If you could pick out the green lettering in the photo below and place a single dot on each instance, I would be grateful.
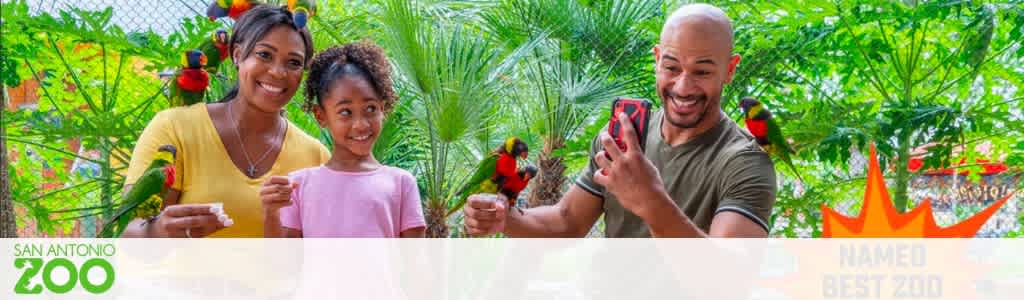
(32, 268)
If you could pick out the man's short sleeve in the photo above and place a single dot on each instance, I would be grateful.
(749, 185)
(586, 177)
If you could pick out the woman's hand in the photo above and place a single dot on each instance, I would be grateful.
(189, 221)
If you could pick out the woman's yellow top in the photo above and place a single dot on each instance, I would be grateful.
(205, 173)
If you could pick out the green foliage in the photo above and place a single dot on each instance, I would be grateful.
(98, 90)
(453, 78)
(839, 75)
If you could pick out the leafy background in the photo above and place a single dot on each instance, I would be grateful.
(935, 80)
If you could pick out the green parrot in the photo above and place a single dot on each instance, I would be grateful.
(492, 171)
(302, 10)
(216, 50)
(145, 199)
(763, 127)
(189, 84)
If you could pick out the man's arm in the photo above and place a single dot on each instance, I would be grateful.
(573, 216)
(732, 224)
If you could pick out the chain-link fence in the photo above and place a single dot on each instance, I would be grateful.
(163, 17)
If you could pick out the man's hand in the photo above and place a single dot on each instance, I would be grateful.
(483, 215)
(629, 175)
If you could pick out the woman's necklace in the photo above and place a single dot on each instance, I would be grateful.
(251, 170)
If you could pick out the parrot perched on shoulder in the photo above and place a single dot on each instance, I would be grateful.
(189, 85)
(766, 130)
(492, 172)
(513, 185)
(228, 8)
(216, 50)
(145, 199)
(302, 10)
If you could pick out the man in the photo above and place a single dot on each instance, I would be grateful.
(701, 176)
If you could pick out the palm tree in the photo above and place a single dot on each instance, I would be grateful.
(454, 78)
(590, 54)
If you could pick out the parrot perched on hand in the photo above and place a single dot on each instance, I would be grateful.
(216, 50)
(493, 172)
(228, 8)
(513, 185)
(767, 132)
(189, 85)
(302, 10)
(145, 199)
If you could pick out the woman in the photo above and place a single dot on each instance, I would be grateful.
(226, 150)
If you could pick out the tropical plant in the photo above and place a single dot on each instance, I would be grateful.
(454, 77)
(98, 90)
(590, 53)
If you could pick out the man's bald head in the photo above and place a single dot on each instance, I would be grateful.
(702, 19)
(693, 62)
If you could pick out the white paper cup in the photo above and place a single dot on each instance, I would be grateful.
(217, 208)
(490, 197)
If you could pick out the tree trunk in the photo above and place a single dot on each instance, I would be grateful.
(902, 174)
(437, 224)
(8, 227)
(547, 187)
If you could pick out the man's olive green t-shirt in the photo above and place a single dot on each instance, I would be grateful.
(722, 169)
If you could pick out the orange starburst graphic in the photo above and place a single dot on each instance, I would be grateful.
(879, 218)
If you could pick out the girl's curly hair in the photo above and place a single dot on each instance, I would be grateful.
(362, 59)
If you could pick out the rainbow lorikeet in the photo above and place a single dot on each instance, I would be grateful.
(228, 8)
(515, 184)
(216, 50)
(766, 130)
(145, 199)
(493, 172)
(302, 10)
(189, 85)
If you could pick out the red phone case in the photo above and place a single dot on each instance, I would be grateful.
(639, 111)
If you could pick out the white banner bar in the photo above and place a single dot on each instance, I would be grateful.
(512, 269)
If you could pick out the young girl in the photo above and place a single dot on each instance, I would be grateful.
(352, 195)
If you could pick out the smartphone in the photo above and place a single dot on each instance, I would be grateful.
(639, 112)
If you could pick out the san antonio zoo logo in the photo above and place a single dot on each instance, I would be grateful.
(62, 267)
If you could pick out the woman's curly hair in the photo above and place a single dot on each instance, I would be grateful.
(360, 59)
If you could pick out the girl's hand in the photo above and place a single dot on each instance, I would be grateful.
(276, 193)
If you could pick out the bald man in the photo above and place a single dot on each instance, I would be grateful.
(701, 176)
